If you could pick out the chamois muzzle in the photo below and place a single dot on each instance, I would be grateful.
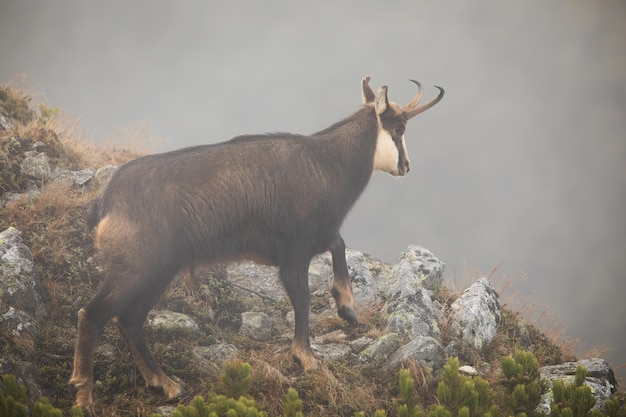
(412, 109)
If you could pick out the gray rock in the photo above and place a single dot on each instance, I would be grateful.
(213, 357)
(336, 336)
(358, 345)
(468, 370)
(103, 175)
(263, 280)
(171, 321)
(476, 314)
(166, 410)
(331, 351)
(423, 264)
(35, 165)
(379, 352)
(256, 279)
(365, 285)
(72, 178)
(16, 198)
(21, 325)
(425, 350)
(18, 286)
(410, 307)
(256, 325)
(600, 379)
(4, 123)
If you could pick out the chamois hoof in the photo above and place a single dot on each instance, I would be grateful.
(348, 315)
(307, 363)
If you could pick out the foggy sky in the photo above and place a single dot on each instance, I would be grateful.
(522, 164)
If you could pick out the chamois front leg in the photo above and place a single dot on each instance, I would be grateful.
(342, 287)
(295, 279)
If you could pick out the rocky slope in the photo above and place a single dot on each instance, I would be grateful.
(211, 315)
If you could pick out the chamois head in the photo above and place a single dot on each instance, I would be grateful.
(391, 154)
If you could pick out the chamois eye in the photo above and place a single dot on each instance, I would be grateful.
(398, 131)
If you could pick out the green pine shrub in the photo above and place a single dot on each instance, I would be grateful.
(408, 403)
(462, 396)
(236, 379)
(572, 400)
(218, 406)
(293, 404)
(14, 402)
(522, 384)
(612, 408)
(12, 398)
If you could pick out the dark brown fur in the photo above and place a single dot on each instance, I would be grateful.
(276, 198)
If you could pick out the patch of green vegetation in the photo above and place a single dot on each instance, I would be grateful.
(52, 226)
(14, 402)
(522, 383)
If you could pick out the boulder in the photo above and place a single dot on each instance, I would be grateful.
(72, 178)
(20, 302)
(214, 356)
(165, 320)
(425, 350)
(410, 307)
(256, 325)
(103, 175)
(378, 353)
(476, 314)
(35, 165)
(600, 378)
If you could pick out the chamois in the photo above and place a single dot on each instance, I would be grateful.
(278, 199)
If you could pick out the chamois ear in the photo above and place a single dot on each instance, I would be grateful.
(381, 100)
(368, 93)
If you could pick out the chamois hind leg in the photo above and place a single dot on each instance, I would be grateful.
(130, 322)
(91, 321)
(342, 287)
(295, 279)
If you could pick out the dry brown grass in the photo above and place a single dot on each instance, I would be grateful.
(52, 226)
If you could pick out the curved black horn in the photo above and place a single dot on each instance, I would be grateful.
(412, 109)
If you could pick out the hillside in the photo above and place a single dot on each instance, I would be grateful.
(47, 177)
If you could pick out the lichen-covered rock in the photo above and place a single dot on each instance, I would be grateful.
(379, 352)
(256, 325)
(72, 178)
(171, 321)
(35, 165)
(365, 284)
(358, 345)
(425, 350)
(410, 307)
(103, 175)
(331, 351)
(214, 356)
(600, 378)
(18, 286)
(423, 264)
(21, 325)
(476, 314)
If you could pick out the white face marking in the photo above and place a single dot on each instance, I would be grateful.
(386, 155)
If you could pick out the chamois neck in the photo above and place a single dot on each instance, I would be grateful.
(353, 142)
(359, 124)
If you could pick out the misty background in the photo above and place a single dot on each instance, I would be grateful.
(522, 165)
